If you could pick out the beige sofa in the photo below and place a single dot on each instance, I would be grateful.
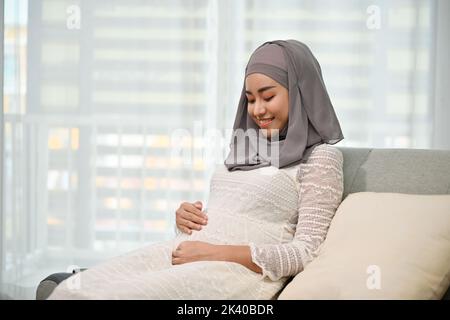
(409, 171)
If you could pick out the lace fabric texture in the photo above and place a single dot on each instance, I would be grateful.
(282, 214)
(321, 189)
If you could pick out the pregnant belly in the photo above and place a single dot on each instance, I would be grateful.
(232, 228)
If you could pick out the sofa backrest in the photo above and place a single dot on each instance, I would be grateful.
(413, 171)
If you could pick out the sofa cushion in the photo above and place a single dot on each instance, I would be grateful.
(381, 246)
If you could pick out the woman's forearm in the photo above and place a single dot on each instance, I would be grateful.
(239, 254)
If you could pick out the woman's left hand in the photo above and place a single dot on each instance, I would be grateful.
(190, 251)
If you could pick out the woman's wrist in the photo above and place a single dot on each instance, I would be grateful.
(236, 253)
(221, 253)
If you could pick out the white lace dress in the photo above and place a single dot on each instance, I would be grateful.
(282, 214)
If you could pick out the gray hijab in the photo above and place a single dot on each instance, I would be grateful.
(311, 122)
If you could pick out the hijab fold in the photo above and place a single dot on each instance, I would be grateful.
(312, 120)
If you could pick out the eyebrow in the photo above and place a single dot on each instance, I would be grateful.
(261, 89)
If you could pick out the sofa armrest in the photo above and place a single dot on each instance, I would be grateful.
(46, 286)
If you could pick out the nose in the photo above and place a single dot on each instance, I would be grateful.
(259, 110)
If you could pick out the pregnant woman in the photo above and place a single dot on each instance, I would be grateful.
(267, 214)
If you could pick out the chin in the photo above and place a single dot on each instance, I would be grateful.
(267, 133)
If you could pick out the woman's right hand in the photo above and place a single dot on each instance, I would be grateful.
(190, 217)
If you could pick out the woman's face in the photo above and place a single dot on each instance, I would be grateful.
(268, 102)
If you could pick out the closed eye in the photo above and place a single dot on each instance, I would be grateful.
(268, 99)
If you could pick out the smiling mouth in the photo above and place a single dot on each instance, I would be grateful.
(265, 122)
